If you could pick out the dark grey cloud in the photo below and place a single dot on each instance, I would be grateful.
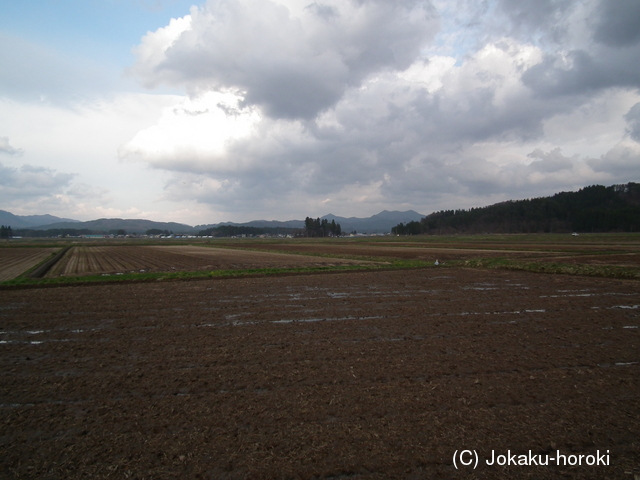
(552, 161)
(6, 148)
(30, 182)
(589, 46)
(633, 120)
(580, 72)
(293, 66)
(621, 164)
(342, 118)
(618, 23)
(528, 17)
(327, 12)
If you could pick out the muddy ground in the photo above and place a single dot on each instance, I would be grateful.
(626, 254)
(92, 260)
(365, 375)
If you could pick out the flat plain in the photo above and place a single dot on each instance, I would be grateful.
(380, 373)
(106, 259)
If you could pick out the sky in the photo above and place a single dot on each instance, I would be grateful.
(237, 110)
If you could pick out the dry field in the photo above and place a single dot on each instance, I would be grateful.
(569, 251)
(15, 261)
(360, 375)
(92, 260)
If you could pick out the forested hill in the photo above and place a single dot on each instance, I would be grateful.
(591, 209)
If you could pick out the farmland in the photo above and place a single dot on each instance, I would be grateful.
(15, 261)
(91, 260)
(368, 374)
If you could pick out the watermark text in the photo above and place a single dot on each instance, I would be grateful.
(470, 459)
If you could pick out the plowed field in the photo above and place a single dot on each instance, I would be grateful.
(91, 260)
(15, 261)
(367, 375)
(623, 255)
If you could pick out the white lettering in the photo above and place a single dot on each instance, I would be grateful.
(462, 459)
(531, 459)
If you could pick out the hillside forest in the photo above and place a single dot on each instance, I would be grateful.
(591, 209)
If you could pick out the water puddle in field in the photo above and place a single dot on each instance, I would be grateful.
(12, 306)
(337, 294)
(32, 342)
(624, 307)
(617, 364)
(14, 337)
(298, 297)
(494, 286)
(570, 295)
(511, 312)
(590, 294)
(16, 405)
(333, 319)
(236, 323)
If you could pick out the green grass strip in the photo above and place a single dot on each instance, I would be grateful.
(173, 276)
(607, 271)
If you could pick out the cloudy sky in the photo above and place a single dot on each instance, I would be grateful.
(280, 109)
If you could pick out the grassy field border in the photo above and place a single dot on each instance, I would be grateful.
(24, 282)
(556, 268)
(629, 242)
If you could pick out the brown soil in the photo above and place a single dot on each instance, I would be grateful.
(624, 260)
(92, 260)
(362, 375)
(16, 261)
(563, 253)
(395, 251)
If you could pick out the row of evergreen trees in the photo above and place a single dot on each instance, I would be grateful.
(238, 230)
(591, 209)
(321, 228)
(5, 232)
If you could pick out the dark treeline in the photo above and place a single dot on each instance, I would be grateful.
(157, 231)
(237, 230)
(591, 209)
(55, 232)
(66, 232)
(5, 231)
(321, 228)
(221, 231)
(77, 232)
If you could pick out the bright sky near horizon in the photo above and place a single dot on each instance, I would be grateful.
(240, 110)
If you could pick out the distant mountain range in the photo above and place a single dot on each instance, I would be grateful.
(379, 223)
(30, 221)
(590, 209)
